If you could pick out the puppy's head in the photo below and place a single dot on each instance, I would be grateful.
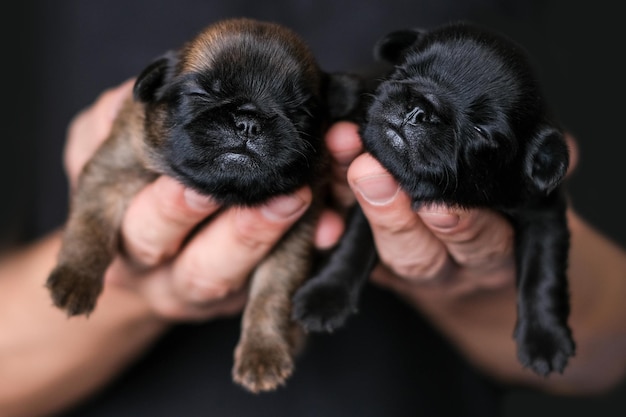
(460, 119)
(236, 113)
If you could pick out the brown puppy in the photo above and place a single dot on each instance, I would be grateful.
(238, 113)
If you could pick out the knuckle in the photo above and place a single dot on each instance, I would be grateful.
(474, 258)
(173, 211)
(396, 226)
(193, 269)
(203, 290)
(255, 235)
(148, 256)
(468, 258)
(499, 246)
(169, 309)
(198, 283)
(464, 232)
(253, 239)
(142, 252)
(418, 269)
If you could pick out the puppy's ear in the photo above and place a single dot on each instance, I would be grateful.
(342, 93)
(155, 76)
(393, 46)
(547, 159)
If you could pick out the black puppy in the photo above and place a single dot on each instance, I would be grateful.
(461, 120)
(237, 113)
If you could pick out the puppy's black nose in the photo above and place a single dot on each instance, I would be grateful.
(247, 126)
(414, 116)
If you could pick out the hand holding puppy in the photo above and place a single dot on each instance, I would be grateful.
(156, 265)
(438, 249)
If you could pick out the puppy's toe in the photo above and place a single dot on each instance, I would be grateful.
(262, 366)
(72, 291)
(545, 350)
(322, 306)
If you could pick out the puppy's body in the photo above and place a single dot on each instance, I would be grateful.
(460, 120)
(238, 113)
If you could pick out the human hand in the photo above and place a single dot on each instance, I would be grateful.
(438, 249)
(182, 266)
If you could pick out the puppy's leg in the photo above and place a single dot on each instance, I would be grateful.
(325, 302)
(269, 338)
(544, 339)
(90, 238)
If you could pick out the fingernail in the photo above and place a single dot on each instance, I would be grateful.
(197, 201)
(378, 190)
(283, 207)
(440, 220)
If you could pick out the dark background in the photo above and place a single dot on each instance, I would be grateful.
(47, 74)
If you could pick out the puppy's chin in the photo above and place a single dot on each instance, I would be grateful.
(241, 178)
(239, 154)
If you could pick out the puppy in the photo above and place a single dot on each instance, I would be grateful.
(238, 114)
(460, 120)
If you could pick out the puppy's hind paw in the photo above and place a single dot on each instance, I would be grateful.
(322, 306)
(261, 367)
(545, 351)
(72, 291)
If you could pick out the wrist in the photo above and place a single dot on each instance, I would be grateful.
(45, 346)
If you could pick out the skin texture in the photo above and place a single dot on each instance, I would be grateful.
(464, 282)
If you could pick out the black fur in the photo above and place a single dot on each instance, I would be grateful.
(461, 120)
(230, 134)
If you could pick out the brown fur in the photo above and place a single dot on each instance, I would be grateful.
(143, 144)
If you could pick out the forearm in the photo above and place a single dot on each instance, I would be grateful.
(481, 323)
(47, 360)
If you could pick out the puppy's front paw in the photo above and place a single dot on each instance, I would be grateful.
(72, 291)
(262, 365)
(322, 306)
(544, 350)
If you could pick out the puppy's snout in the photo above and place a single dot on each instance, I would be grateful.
(415, 116)
(247, 125)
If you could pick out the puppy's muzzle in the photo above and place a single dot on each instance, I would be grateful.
(247, 125)
(414, 117)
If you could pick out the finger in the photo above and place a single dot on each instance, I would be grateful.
(344, 144)
(329, 229)
(403, 242)
(159, 219)
(156, 290)
(167, 302)
(90, 128)
(479, 240)
(219, 259)
(480, 244)
(572, 146)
